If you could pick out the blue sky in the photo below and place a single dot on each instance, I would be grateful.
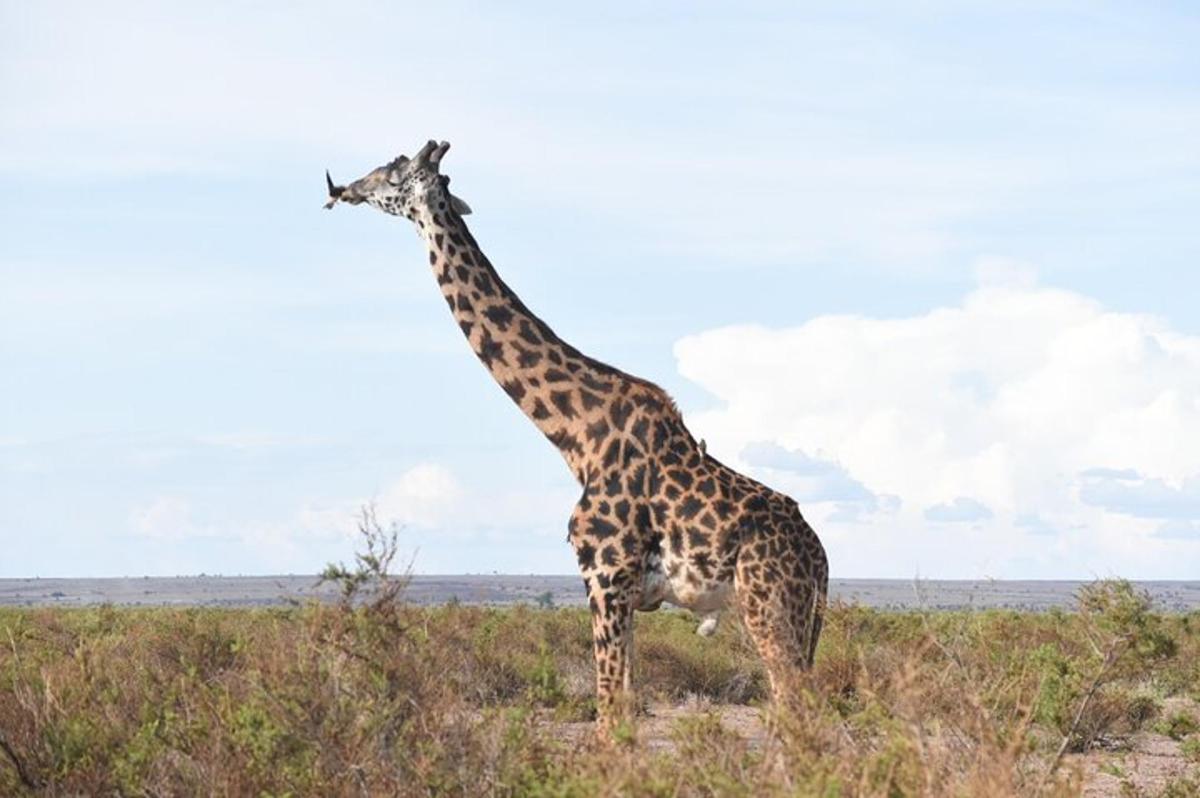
(929, 267)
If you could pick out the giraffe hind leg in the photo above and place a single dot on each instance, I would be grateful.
(781, 603)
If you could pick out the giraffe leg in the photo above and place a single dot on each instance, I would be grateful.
(781, 601)
(608, 575)
(612, 641)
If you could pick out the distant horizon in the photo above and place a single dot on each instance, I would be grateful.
(565, 575)
(547, 590)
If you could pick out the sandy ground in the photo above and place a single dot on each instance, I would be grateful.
(1141, 765)
(563, 591)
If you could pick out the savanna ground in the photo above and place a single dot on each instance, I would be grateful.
(374, 696)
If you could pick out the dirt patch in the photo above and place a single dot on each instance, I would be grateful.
(1145, 764)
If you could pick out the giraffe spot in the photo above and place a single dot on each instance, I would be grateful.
(639, 430)
(555, 357)
(597, 431)
(602, 529)
(612, 485)
(636, 481)
(682, 477)
(696, 538)
(689, 508)
(590, 400)
(490, 350)
(465, 305)
(631, 453)
(707, 521)
(642, 519)
(515, 389)
(562, 401)
(608, 556)
(555, 375)
(540, 411)
(565, 441)
(676, 538)
(629, 544)
(707, 486)
(672, 492)
(661, 433)
(457, 239)
(463, 272)
(466, 327)
(613, 453)
(499, 315)
(655, 479)
(484, 284)
(620, 414)
(526, 358)
(591, 382)
(756, 503)
(622, 511)
(438, 240)
(586, 554)
(432, 257)
(645, 402)
(525, 330)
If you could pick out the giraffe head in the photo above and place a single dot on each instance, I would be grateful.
(404, 187)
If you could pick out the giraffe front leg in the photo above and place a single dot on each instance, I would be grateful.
(609, 576)
(612, 647)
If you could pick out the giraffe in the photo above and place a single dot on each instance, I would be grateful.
(659, 518)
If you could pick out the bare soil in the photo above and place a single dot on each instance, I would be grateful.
(1141, 765)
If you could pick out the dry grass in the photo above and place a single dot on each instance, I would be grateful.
(374, 697)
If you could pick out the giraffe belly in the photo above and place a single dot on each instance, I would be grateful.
(673, 579)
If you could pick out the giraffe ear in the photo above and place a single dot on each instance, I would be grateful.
(460, 207)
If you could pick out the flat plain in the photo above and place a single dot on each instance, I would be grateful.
(500, 590)
(482, 685)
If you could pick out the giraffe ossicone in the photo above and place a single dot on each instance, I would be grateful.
(659, 518)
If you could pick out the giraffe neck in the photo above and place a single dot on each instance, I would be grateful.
(562, 391)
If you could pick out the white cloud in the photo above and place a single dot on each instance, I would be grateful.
(425, 496)
(166, 518)
(1022, 402)
(813, 479)
(1125, 491)
(149, 94)
(1179, 530)
(962, 509)
(428, 501)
